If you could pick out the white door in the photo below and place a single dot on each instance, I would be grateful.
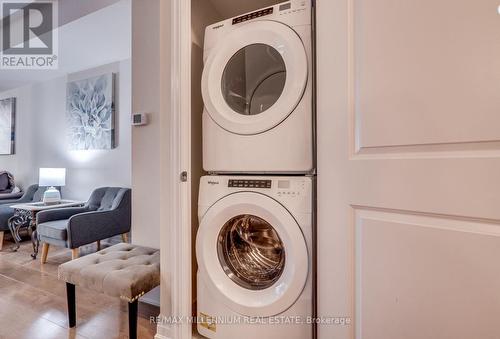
(409, 168)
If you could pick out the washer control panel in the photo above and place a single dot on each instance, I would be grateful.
(280, 186)
(292, 8)
(293, 192)
(249, 183)
(288, 189)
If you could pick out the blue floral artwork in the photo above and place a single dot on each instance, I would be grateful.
(7, 125)
(90, 113)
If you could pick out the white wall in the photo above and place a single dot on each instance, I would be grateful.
(94, 44)
(145, 139)
(150, 143)
(70, 10)
(97, 39)
(41, 139)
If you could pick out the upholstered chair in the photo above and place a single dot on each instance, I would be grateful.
(32, 194)
(106, 214)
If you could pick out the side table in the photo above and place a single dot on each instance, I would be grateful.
(25, 218)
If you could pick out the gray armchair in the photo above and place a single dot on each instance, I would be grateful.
(32, 194)
(106, 214)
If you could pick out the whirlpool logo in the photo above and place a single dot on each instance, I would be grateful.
(211, 182)
(29, 35)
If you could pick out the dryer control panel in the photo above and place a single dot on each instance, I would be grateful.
(293, 13)
(253, 15)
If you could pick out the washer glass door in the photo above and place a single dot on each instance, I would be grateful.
(251, 252)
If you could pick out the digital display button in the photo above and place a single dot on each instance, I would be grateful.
(246, 183)
(253, 15)
(285, 184)
(286, 6)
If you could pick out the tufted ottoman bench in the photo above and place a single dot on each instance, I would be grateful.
(123, 270)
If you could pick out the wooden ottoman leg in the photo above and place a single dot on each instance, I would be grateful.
(45, 252)
(132, 319)
(75, 253)
(70, 293)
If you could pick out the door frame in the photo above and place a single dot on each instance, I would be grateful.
(177, 243)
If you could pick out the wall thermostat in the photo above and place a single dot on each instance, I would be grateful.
(139, 119)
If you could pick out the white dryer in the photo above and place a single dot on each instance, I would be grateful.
(253, 249)
(257, 92)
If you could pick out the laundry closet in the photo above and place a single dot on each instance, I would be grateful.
(407, 173)
(254, 161)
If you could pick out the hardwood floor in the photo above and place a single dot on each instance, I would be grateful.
(33, 301)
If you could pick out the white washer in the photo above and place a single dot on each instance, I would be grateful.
(253, 251)
(257, 92)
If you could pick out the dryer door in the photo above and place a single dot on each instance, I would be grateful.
(252, 254)
(255, 77)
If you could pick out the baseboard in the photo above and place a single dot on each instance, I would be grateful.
(163, 332)
(159, 336)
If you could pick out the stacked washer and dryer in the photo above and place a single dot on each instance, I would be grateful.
(254, 245)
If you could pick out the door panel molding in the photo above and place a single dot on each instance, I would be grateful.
(423, 268)
(483, 149)
(380, 125)
(429, 220)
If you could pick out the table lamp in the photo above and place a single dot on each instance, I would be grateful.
(52, 178)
